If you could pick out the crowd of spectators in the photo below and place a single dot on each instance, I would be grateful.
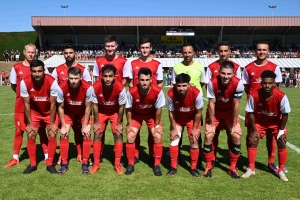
(12, 56)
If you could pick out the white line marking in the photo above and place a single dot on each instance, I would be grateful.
(7, 114)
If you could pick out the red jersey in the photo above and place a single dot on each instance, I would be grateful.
(39, 94)
(110, 100)
(119, 63)
(268, 112)
(252, 72)
(214, 70)
(153, 65)
(184, 108)
(18, 73)
(145, 104)
(60, 73)
(74, 99)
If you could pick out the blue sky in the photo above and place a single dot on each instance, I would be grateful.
(16, 15)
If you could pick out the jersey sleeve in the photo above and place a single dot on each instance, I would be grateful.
(159, 73)
(89, 94)
(239, 90)
(53, 89)
(238, 73)
(173, 76)
(23, 89)
(208, 75)
(13, 76)
(96, 69)
(250, 105)
(210, 91)
(160, 101)
(95, 99)
(170, 104)
(285, 105)
(122, 97)
(278, 78)
(60, 95)
(199, 102)
(126, 69)
(86, 75)
(129, 100)
(245, 77)
(54, 74)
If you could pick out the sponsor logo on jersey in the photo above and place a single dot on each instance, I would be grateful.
(252, 73)
(108, 103)
(75, 103)
(101, 95)
(256, 80)
(184, 109)
(137, 67)
(260, 104)
(32, 89)
(270, 114)
(144, 106)
(137, 100)
(62, 72)
(176, 102)
(68, 94)
(216, 71)
(20, 72)
(36, 98)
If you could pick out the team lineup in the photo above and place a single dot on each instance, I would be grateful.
(48, 105)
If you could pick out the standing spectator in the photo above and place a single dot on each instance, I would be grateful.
(6, 56)
(292, 79)
(12, 55)
(17, 55)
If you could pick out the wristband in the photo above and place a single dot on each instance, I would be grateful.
(280, 133)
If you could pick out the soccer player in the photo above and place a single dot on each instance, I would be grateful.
(224, 93)
(252, 82)
(74, 98)
(144, 103)
(108, 106)
(185, 104)
(60, 73)
(213, 70)
(268, 110)
(110, 57)
(145, 47)
(18, 72)
(39, 92)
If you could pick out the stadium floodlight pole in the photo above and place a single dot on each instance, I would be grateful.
(64, 7)
(272, 7)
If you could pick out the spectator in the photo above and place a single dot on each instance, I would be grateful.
(6, 56)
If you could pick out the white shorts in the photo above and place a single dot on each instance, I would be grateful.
(17, 56)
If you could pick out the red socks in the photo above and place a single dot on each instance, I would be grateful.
(64, 150)
(208, 158)
(118, 153)
(130, 150)
(97, 146)
(271, 146)
(194, 153)
(174, 156)
(87, 144)
(282, 155)
(51, 150)
(157, 149)
(233, 160)
(18, 139)
(252, 157)
(31, 149)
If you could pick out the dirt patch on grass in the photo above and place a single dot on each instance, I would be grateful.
(6, 67)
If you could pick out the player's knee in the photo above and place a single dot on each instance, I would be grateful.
(236, 149)
(98, 137)
(118, 136)
(281, 144)
(236, 138)
(209, 138)
(207, 148)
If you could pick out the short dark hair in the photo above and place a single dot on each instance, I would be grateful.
(69, 46)
(110, 38)
(145, 71)
(268, 74)
(224, 43)
(188, 45)
(227, 65)
(74, 71)
(182, 78)
(109, 67)
(37, 63)
(145, 40)
(262, 42)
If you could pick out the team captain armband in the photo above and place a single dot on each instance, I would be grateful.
(238, 95)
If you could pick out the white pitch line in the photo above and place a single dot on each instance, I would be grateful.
(7, 114)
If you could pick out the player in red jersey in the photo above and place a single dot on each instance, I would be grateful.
(185, 105)
(268, 110)
(252, 81)
(18, 72)
(213, 70)
(144, 103)
(224, 93)
(39, 92)
(109, 106)
(74, 98)
(60, 73)
(145, 47)
(111, 58)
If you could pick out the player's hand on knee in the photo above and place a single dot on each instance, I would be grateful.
(196, 134)
(53, 128)
(119, 128)
(63, 132)
(30, 129)
(158, 129)
(86, 131)
(210, 129)
(129, 129)
(236, 129)
(254, 137)
(174, 134)
(281, 141)
(97, 128)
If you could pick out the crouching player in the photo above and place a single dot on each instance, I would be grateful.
(74, 98)
(224, 93)
(185, 104)
(108, 106)
(265, 108)
(144, 103)
(39, 92)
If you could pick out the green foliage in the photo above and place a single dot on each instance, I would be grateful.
(142, 184)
